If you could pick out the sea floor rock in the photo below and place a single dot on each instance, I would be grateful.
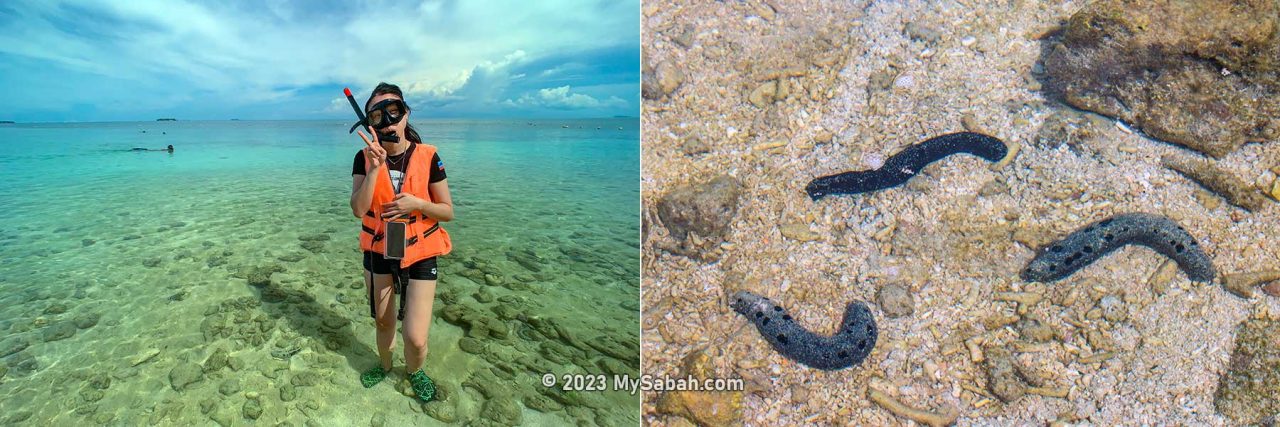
(704, 210)
(185, 374)
(704, 408)
(59, 331)
(1249, 391)
(895, 300)
(1201, 74)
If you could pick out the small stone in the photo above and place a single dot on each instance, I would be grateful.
(185, 374)
(252, 409)
(471, 345)
(895, 300)
(1113, 309)
(91, 394)
(823, 137)
(483, 295)
(229, 386)
(994, 187)
(60, 331)
(305, 378)
(706, 209)
(101, 381)
(684, 38)
(252, 395)
(216, 361)
(763, 95)
(288, 393)
(13, 345)
(668, 77)
(1002, 378)
(1034, 331)
(86, 320)
(207, 405)
(56, 308)
(968, 41)
(442, 411)
(694, 145)
(799, 232)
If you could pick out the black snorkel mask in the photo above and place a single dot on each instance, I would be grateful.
(381, 116)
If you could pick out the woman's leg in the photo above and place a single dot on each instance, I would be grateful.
(419, 297)
(384, 303)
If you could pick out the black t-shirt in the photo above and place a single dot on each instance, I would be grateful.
(397, 171)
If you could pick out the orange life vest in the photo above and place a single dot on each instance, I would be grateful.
(424, 238)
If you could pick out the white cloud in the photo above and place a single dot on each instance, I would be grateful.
(438, 50)
(562, 98)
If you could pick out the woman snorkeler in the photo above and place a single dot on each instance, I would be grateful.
(397, 178)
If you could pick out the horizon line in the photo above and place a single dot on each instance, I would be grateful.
(6, 122)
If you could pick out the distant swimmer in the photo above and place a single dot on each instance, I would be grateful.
(169, 149)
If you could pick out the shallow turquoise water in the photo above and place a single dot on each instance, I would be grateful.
(112, 256)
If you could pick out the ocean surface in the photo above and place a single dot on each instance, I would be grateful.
(222, 282)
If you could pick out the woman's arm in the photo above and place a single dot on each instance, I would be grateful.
(440, 207)
(361, 195)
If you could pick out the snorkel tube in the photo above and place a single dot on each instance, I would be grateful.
(364, 121)
(354, 106)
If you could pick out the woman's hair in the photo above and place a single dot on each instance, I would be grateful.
(385, 88)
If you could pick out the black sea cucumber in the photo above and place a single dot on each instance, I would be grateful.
(900, 167)
(845, 348)
(1059, 259)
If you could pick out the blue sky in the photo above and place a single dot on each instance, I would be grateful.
(276, 59)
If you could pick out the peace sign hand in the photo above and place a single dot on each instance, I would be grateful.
(374, 155)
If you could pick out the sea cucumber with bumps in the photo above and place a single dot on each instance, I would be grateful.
(1059, 259)
(900, 167)
(845, 348)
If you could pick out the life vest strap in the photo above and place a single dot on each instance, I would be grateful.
(431, 230)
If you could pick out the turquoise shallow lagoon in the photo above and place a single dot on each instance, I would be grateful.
(222, 283)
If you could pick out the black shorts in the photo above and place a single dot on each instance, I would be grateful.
(421, 270)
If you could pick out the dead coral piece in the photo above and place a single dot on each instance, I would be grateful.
(895, 300)
(913, 414)
(706, 408)
(1097, 358)
(1202, 74)
(1068, 127)
(1003, 378)
(660, 80)
(798, 232)
(1242, 284)
(1217, 180)
(703, 210)
(1249, 391)
(1058, 392)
